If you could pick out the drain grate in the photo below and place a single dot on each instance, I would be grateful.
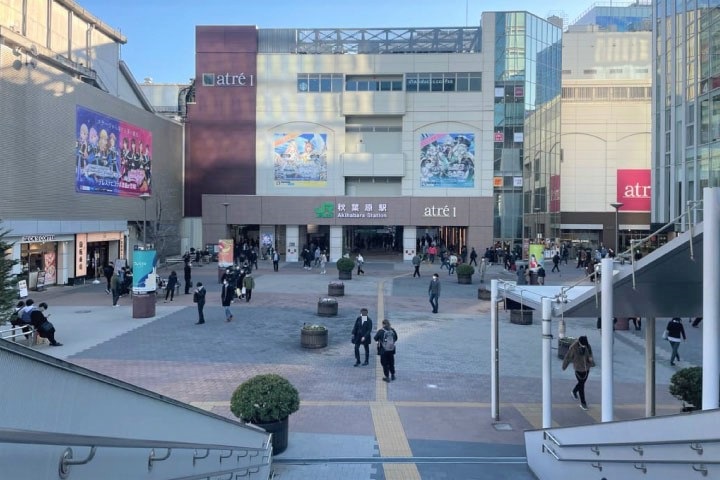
(83, 311)
(502, 426)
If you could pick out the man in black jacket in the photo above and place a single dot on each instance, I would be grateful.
(188, 277)
(362, 335)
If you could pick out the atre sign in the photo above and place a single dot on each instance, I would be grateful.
(228, 79)
(634, 189)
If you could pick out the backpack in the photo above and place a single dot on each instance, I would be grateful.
(25, 317)
(388, 342)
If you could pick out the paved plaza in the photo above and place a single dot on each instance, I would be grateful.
(351, 424)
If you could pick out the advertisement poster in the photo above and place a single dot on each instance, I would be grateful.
(633, 190)
(554, 193)
(225, 252)
(535, 251)
(447, 160)
(112, 157)
(50, 260)
(23, 288)
(144, 271)
(300, 159)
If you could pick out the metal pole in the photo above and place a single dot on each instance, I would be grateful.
(546, 363)
(606, 321)
(145, 223)
(617, 206)
(494, 352)
(650, 367)
(226, 216)
(711, 298)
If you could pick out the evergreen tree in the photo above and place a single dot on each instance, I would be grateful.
(8, 285)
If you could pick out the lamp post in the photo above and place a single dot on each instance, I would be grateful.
(617, 206)
(145, 197)
(226, 205)
(537, 213)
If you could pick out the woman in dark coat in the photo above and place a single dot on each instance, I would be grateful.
(171, 286)
(228, 292)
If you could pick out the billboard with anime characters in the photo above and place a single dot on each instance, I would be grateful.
(447, 160)
(111, 156)
(300, 159)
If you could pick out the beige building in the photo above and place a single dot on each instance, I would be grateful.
(606, 135)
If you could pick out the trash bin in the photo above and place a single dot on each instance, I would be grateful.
(533, 278)
(143, 305)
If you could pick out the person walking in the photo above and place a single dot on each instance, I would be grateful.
(556, 262)
(360, 261)
(188, 277)
(434, 292)
(199, 298)
(171, 286)
(637, 322)
(473, 256)
(673, 333)
(115, 288)
(541, 275)
(249, 284)
(276, 260)
(323, 263)
(386, 338)
(453, 261)
(416, 261)
(581, 356)
(361, 335)
(226, 296)
(108, 271)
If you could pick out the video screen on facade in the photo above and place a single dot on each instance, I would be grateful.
(300, 159)
(447, 160)
(111, 156)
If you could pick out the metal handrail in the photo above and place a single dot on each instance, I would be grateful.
(548, 436)
(598, 463)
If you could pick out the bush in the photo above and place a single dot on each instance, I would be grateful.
(314, 327)
(686, 385)
(465, 269)
(345, 264)
(264, 399)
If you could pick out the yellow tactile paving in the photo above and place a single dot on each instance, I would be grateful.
(532, 413)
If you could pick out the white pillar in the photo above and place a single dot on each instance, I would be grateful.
(292, 243)
(494, 352)
(711, 298)
(63, 262)
(336, 242)
(606, 322)
(409, 242)
(650, 367)
(546, 363)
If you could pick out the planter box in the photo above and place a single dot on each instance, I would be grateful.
(344, 275)
(313, 338)
(483, 294)
(327, 308)
(336, 289)
(465, 279)
(280, 432)
(521, 317)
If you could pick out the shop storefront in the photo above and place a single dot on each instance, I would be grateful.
(39, 259)
(95, 250)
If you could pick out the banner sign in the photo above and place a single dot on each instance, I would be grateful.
(111, 156)
(225, 252)
(634, 189)
(144, 271)
(300, 159)
(554, 193)
(447, 160)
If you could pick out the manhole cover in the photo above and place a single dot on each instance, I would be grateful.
(502, 426)
(83, 311)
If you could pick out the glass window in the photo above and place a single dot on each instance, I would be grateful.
(372, 86)
(463, 82)
(436, 83)
(325, 83)
(302, 83)
(449, 82)
(411, 82)
(475, 82)
(351, 86)
(337, 83)
(314, 83)
(423, 82)
(397, 86)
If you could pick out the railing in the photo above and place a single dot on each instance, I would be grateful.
(67, 459)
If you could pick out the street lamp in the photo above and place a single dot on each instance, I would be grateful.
(145, 197)
(537, 226)
(225, 204)
(617, 206)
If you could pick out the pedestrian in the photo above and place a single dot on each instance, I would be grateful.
(199, 298)
(473, 256)
(42, 325)
(521, 276)
(249, 284)
(188, 277)
(556, 262)
(171, 285)
(360, 261)
(323, 263)
(452, 263)
(541, 275)
(116, 288)
(17, 321)
(226, 297)
(361, 335)
(108, 271)
(416, 261)
(276, 260)
(386, 338)
(672, 334)
(434, 292)
(580, 355)
(637, 322)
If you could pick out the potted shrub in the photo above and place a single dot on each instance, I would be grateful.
(313, 336)
(267, 401)
(686, 385)
(345, 268)
(336, 289)
(327, 307)
(464, 273)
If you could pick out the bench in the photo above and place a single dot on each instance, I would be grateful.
(13, 332)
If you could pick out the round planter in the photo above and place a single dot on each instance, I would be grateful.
(483, 294)
(564, 345)
(521, 317)
(313, 338)
(336, 289)
(344, 275)
(327, 307)
(280, 432)
(465, 279)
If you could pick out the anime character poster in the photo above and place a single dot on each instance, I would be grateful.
(447, 160)
(111, 157)
(300, 159)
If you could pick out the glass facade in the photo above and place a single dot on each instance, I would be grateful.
(686, 101)
(528, 57)
(630, 18)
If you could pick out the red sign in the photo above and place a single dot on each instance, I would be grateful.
(499, 136)
(634, 189)
(554, 193)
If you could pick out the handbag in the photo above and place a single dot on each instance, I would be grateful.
(665, 335)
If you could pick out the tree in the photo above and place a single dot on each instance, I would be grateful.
(8, 290)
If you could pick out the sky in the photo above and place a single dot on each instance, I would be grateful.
(161, 33)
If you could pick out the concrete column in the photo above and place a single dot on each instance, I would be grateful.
(546, 363)
(409, 242)
(292, 243)
(494, 352)
(650, 367)
(336, 242)
(16, 252)
(711, 298)
(63, 262)
(606, 321)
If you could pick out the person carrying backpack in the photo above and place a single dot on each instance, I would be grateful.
(386, 338)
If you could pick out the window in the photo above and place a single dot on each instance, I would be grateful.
(319, 82)
(442, 82)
